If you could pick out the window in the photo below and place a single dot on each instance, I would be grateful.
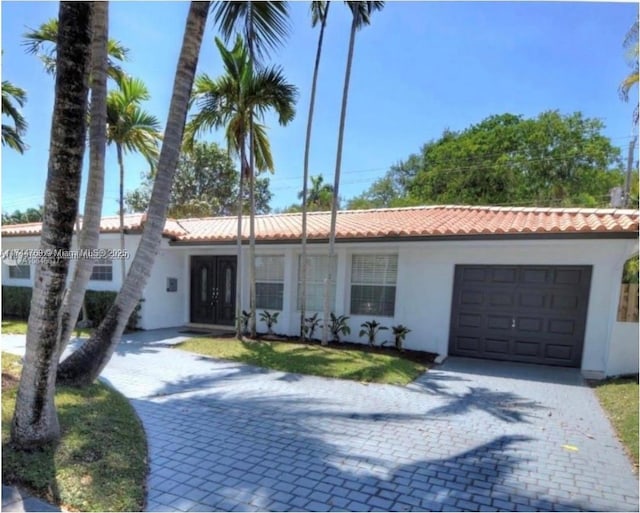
(269, 282)
(317, 270)
(22, 272)
(102, 270)
(373, 284)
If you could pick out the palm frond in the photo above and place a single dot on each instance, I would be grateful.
(12, 139)
(269, 89)
(319, 9)
(362, 11)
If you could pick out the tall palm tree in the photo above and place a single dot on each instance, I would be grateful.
(42, 43)
(319, 13)
(631, 46)
(131, 129)
(361, 13)
(83, 366)
(89, 232)
(319, 195)
(35, 422)
(264, 26)
(238, 101)
(12, 135)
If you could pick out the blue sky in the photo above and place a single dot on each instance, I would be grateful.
(419, 68)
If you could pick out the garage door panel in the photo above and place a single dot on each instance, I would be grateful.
(533, 314)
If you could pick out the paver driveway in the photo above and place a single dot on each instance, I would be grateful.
(468, 435)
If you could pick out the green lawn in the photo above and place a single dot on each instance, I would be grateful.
(19, 327)
(619, 398)
(310, 359)
(100, 463)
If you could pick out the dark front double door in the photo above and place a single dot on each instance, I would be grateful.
(213, 289)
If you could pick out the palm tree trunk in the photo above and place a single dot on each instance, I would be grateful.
(84, 365)
(252, 193)
(123, 271)
(307, 145)
(35, 421)
(90, 232)
(239, 270)
(336, 182)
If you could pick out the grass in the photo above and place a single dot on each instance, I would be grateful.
(619, 398)
(100, 463)
(19, 327)
(310, 359)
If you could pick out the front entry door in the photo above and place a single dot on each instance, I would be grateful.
(213, 289)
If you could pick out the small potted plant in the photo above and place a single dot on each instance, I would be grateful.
(399, 333)
(270, 319)
(371, 329)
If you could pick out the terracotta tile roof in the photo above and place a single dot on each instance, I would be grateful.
(431, 221)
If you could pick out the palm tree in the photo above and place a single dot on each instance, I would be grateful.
(35, 422)
(238, 101)
(264, 26)
(83, 366)
(12, 135)
(361, 13)
(131, 129)
(89, 233)
(631, 46)
(319, 13)
(42, 43)
(319, 196)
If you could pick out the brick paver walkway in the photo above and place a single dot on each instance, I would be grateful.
(468, 435)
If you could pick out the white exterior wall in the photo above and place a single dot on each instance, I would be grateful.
(424, 287)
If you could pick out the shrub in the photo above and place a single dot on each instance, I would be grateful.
(270, 319)
(16, 302)
(339, 326)
(371, 329)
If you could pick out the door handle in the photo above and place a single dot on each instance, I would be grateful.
(513, 322)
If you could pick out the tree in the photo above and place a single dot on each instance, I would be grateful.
(205, 185)
(319, 196)
(30, 215)
(12, 135)
(35, 422)
(361, 13)
(264, 26)
(42, 43)
(238, 101)
(83, 366)
(631, 47)
(89, 232)
(319, 13)
(131, 129)
(549, 160)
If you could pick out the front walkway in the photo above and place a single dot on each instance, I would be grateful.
(468, 435)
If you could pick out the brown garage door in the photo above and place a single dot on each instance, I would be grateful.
(532, 314)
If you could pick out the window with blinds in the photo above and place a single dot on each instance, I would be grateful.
(269, 282)
(21, 272)
(317, 271)
(373, 284)
(102, 270)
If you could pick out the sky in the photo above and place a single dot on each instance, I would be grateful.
(419, 68)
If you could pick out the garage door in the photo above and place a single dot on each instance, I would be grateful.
(532, 314)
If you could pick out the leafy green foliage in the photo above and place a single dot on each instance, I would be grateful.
(12, 135)
(245, 317)
(16, 302)
(338, 325)
(205, 185)
(270, 319)
(319, 197)
(371, 330)
(100, 463)
(30, 215)
(552, 160)
(310, 325)
(310, 359)
(630, 270)
(399, 333)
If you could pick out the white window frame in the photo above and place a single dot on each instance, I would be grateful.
(380, 278)
(315, 284)
(99, 271)
(16, 268)
(273, 276)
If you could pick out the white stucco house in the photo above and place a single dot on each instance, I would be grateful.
(520, 284)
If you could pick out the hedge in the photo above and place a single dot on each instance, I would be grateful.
(16, 302)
